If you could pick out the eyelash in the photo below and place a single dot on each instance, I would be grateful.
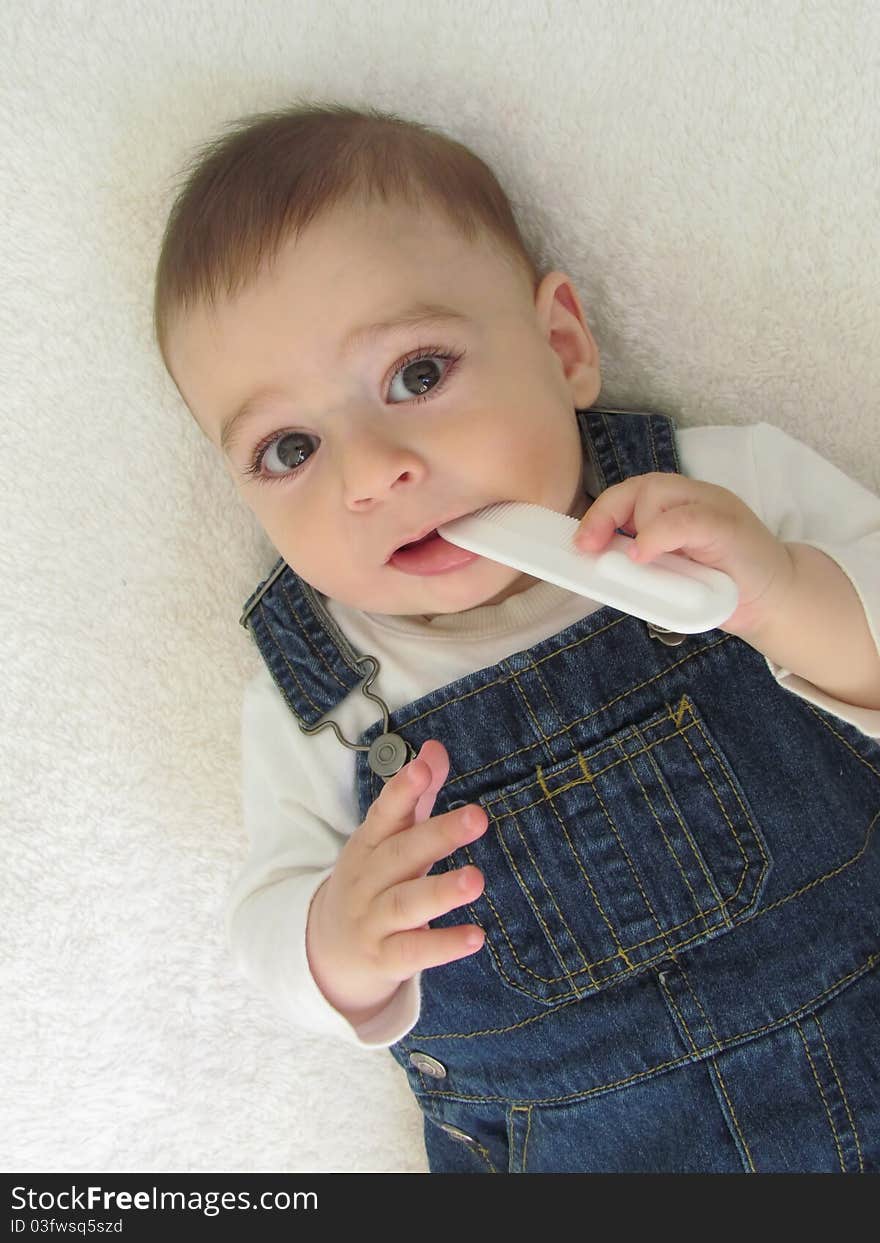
(423, 351)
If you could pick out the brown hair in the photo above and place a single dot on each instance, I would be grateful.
(271, 173)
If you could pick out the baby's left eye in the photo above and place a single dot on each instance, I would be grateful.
(418, 376)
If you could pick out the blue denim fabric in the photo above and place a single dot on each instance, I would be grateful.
(682, 899)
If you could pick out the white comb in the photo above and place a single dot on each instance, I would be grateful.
(672, 591)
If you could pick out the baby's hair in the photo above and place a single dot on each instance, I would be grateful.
(249, 190)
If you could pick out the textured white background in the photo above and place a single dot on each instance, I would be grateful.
(705, 170)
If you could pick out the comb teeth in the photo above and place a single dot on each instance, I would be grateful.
(527, 519)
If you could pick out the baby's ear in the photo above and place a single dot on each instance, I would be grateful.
(569, 335)
(436, 757)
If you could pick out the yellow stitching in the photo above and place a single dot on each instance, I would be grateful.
(311, 646)
(631, 865)
(585, 769)
(842, 1093)
(819, 880)
(676, 1061)
(527, 1110)
(587, 716)
(621, 951)
(542, 783)
(507, 677)
(697, 853)
(484, 1153)
(535, 722)
(682, 708)
(546, 689)
(730, 786)
(664, 790)
(577, 781)
(746, 816)
(290, 669)
(713, 1060)
(473, 1146)
(822, 1094)
(742, 1138)
(806, 704)
(690, 989)
(690, 655)
(610, 927)
(568, 974)
(667, 993)
(614, 743)
(488, 943)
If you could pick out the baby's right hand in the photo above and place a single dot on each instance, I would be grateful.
(368, 922)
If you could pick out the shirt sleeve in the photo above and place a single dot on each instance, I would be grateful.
(807, 500)
(292, 852)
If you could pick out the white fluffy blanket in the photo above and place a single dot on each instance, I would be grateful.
(705, 170)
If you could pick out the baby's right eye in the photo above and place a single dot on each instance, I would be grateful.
(292, 451)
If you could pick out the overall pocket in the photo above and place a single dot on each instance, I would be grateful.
(601, 864)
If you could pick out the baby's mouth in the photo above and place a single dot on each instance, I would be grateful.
(417, 543)
(431, 554)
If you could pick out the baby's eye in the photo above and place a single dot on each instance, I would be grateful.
(418, 375)
(290, 449)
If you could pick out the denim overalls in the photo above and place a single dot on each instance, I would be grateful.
(682, 891)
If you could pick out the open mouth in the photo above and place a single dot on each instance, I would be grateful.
(431, 554)
(417, 543)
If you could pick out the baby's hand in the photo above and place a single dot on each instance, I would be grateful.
(709, 524)
(368, 923)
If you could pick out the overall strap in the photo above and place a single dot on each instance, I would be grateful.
(312, 662)
(628, 443)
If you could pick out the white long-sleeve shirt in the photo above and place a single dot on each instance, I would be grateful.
(299, 792)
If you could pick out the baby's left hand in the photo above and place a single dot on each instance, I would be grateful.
(709, 524)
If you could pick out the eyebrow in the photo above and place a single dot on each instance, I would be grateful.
(409, 317)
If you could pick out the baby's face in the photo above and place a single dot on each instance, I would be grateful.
(352, 449)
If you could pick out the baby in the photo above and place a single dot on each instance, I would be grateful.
(609, 894)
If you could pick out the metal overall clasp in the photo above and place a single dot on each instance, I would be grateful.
(670, 637)
(388, 753)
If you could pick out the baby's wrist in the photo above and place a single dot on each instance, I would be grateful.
(355, 1011)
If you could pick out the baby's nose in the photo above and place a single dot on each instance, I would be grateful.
(375, 464)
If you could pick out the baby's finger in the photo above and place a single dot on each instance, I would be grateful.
(696, 530)
(612, 510)
(413, 903)
(435, 755)
(405, 953)
(627, 506)
(401, 857)
(395, 807)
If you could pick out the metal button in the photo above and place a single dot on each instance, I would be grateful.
(456, 1133)
(670, 637)
(387, 755)
(428, 1065)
